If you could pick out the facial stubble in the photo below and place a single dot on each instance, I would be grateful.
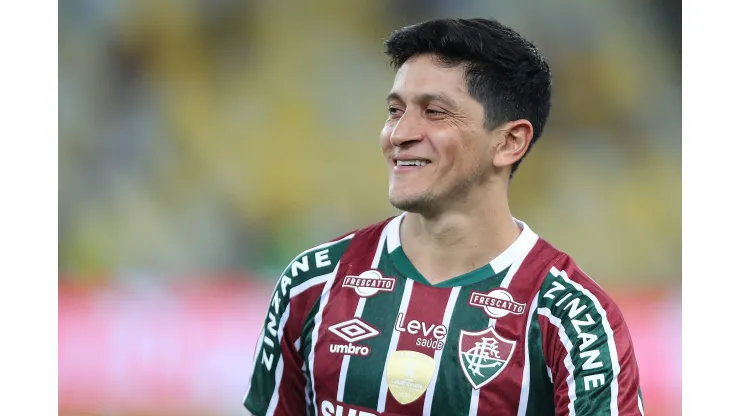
(432, 201)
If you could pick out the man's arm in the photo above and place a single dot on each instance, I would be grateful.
(587, 346)
(278, 384)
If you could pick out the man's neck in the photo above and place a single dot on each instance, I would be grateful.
(456, 242)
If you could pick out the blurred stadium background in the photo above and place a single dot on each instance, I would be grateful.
(204, 143)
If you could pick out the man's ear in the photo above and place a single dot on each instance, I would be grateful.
(515, 137)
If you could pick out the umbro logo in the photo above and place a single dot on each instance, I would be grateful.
(352, 331)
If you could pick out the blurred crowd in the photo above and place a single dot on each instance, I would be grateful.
(207, 138)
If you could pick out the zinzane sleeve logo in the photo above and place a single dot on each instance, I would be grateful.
(276, 360)
(269, 364)
(585, 340)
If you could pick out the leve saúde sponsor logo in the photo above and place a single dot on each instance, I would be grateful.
(431, 335)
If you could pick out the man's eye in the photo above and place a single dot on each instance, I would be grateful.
(394, 111)
(431, 112)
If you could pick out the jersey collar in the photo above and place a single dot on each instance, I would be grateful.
(518, 249)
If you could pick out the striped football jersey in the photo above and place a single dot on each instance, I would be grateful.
(353, 329)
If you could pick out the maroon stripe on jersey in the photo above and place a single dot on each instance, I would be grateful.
(291, 394)
(328, 365)
(501, 396)
(341, 307)
(300, 306)
(424, 314)
(628, 379)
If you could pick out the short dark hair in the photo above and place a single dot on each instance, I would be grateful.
(503, 71)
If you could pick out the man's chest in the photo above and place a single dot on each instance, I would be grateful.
(383, 343)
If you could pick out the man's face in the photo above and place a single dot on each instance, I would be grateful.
(434, 141)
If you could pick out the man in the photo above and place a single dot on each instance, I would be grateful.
(453, 307)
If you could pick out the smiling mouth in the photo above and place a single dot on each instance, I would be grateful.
(418, 162)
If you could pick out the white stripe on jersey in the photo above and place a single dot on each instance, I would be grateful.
(521, 247)
(315, 335)
(639, 405)
(358, 313)
(393, 344)
(306, 388)
(438, 354)
(609, 337)
(279, 369)
(379, 249)
(297, 290)
(515, 254)
(394, 232)
(345, 359)
(567, 361)
(524, 394)
(474, 397)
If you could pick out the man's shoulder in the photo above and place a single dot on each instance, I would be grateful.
(567, 287)
(323, 258)
(561, 263)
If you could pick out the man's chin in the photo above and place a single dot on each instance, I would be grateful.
(412, 203)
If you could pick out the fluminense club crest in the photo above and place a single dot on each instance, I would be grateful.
(483, 355)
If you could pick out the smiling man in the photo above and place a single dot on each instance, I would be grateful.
(453, 307)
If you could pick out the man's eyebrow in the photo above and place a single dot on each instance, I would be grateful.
(429, 97)
(425, 98)
(393, 97)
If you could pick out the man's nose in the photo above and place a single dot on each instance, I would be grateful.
(408, 129)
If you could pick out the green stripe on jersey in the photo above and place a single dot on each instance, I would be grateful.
(541, 396)
(584, 327)
(452, 391)
(380, 311)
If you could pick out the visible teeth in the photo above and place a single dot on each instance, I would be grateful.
(412, 162)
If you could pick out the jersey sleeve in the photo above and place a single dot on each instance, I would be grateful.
(276, 382)
(587, 346)
(278, 385)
